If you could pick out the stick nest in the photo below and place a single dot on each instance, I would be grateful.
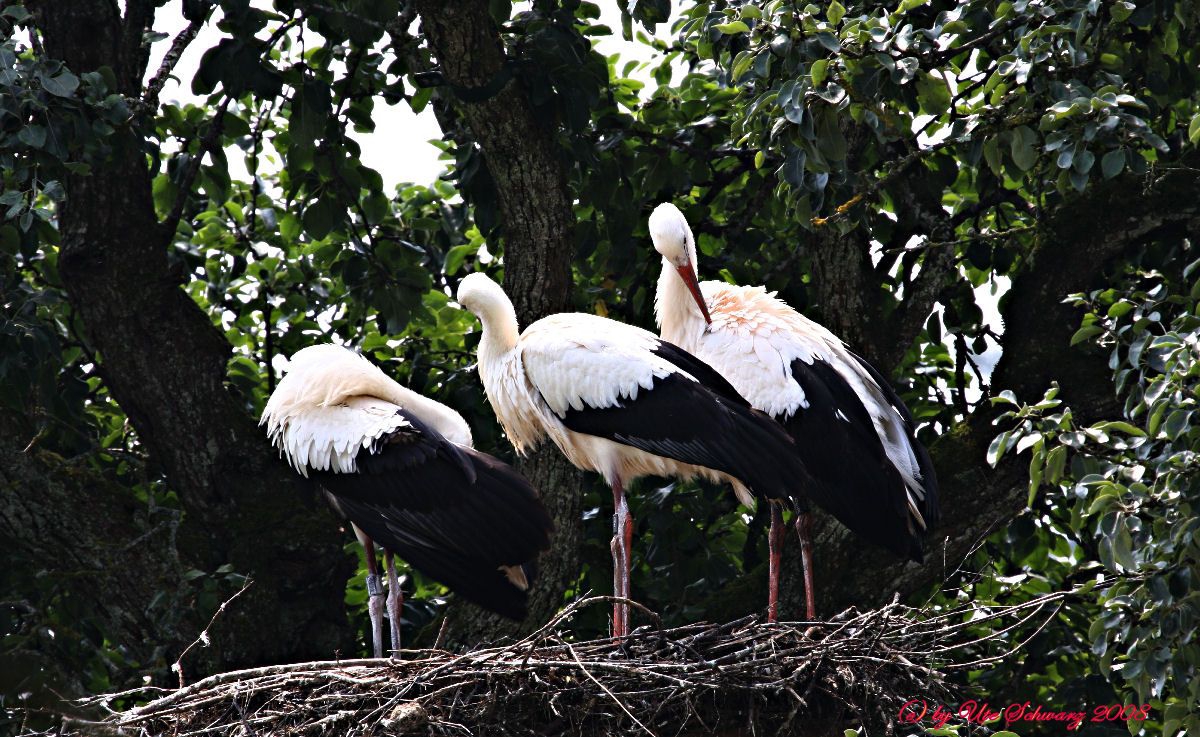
(739, 677)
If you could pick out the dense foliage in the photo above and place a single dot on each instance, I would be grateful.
(888, 168)
(1113, 504)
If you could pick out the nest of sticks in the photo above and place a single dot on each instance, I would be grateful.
(739, 677)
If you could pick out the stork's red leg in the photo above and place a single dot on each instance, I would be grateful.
(621, 542)
(804, 531)
(374, 592)
(775, 538)
(395, 600)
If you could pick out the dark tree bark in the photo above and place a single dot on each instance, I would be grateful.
(538, 225)
(89, 544)
(164, 362)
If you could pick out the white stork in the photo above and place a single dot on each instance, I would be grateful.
(619, 401)
(400, 466)
(853, 434)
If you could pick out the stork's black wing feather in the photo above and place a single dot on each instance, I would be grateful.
(453, 513)
(929, 508)
(853, 478)
(704, 423)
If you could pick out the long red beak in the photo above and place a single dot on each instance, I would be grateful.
(689, 278)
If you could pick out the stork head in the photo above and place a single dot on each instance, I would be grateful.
(673, 240)
(487, 300)
(482, 296)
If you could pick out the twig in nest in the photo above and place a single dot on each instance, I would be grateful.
(203, 638)
(441, 635)
(604, 688)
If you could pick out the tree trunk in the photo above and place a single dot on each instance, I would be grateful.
(164, 362)
(538, 226)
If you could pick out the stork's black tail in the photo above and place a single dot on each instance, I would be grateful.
(459, 517)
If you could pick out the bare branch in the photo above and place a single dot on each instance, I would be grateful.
(203, 638)
(149, 101)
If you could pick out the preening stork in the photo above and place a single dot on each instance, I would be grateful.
(618, 400)
(851, 431)
(400, 466)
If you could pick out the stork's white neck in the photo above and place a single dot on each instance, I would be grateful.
(678, 316)
(503, 377)
(500, 332)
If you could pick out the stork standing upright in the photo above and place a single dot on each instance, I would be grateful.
(400, 466)
(619, 401)
(853, 434)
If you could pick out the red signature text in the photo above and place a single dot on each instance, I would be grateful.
(918, 711)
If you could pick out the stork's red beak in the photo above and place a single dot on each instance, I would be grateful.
(689, 278)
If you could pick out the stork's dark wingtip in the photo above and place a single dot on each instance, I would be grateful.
(467, 528)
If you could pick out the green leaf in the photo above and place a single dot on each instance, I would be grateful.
(1120, 309)
(455, 257)
(62, 84)
(1194, 130)
(1122, 426)
(375, 207)
(500, 10)
(741, 64)
(310, 107)
(1112, 163)
(17, 12)
(421, 98)
(736, 26)
(1056, 463)
(995, 451)
(818, 71)
(835, 12)
(933, 94)
(33, 136)
(1123, 549)
(318, 218)
(1036, 470)
(289, 227)
(1023, 153)
(165, 192)
(1085, 332)
(991, 153)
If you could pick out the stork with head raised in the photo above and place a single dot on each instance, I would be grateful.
(620, 401)
(851, 431)
(401, 468)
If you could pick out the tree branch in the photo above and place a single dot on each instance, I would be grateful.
(135, 51)
(938, 268)
(149, 101)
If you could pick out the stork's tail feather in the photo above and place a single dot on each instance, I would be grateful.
(468, 543)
